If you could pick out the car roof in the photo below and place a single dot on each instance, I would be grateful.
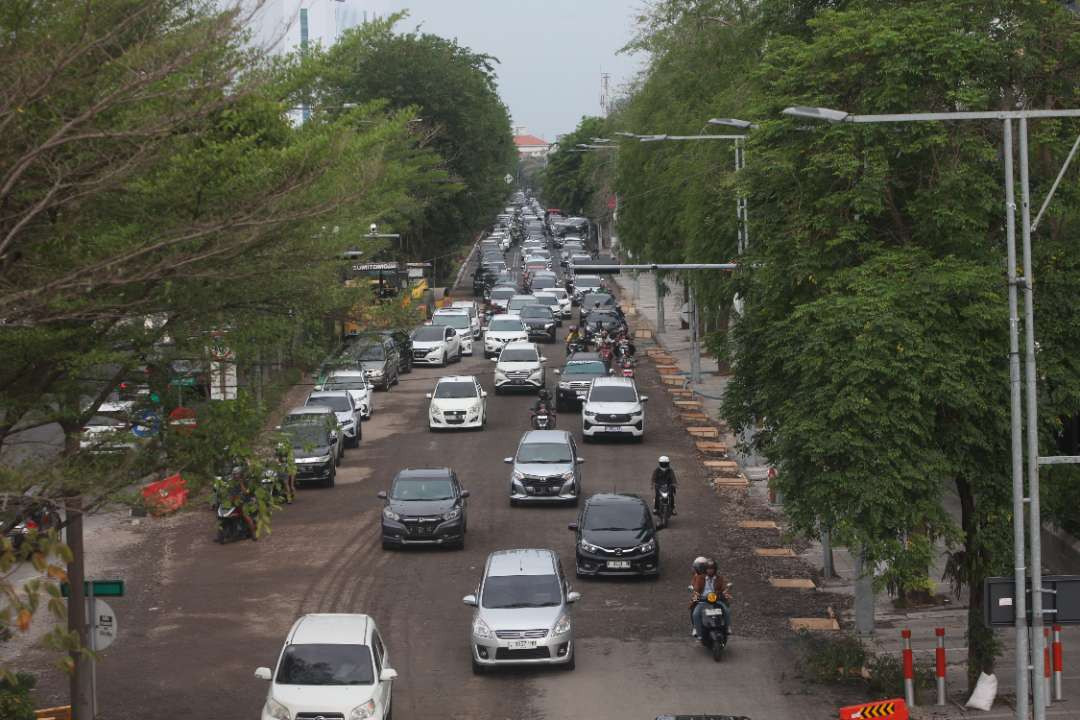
(504, 316)
(457, 378)
(345, 373)
(451, 311)
(521, 345)
(545, 436)
(526, 561)
(440, 472)
(523, 297)
(616, 380)
(316, 394)
(584, 357)
(311, 410)
(330, 629)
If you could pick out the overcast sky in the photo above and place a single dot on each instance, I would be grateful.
(551, 52)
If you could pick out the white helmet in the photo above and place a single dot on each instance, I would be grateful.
(664, 461)
(699, 564)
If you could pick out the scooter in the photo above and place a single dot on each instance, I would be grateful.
(715, 632)
(663, 507)
(627, 366)
(231, 525)
(36, 517)
(543, 419)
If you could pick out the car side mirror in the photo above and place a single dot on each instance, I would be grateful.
(262, 673)
(333, 439)
(543, 359)
(494, 359)
(644, 398)
(508, 461)
(427, 395)
(580, 460)
(464, 493)
(387, 675)
(558, 372)
(611, 371)
(483, 393)
(573, 596)
(381, 494)
(469, 600)
(572, 526)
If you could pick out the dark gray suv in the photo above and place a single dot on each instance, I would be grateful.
(425, 506)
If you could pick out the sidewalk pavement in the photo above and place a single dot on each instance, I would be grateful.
(639, 298)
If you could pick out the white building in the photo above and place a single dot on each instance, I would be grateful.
(531, 146)
(280, 25)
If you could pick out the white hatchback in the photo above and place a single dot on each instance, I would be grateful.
(332, 665)
(458, 402)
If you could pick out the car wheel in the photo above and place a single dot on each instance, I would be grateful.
(387, 546)
(639, 438)
(569, 667)
(477, 668)
(587, 438)
(397, 378)
(331, 480)
(513, 502)
(498, 390)
(355, 442)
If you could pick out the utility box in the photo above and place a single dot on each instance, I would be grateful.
(1061, 600)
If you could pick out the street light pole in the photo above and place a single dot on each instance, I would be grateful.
(1025, 652)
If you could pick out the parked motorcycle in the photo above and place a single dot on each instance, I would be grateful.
(33, 517)
(715, 632)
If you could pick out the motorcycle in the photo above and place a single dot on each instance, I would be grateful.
(543, 419)
(627, 366)
(663, 507)
(575, 347)
(231, 525)
(715, 632)
(36, 517)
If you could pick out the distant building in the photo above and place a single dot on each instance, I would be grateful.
(531, 146)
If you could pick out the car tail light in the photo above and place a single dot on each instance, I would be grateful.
(30, 525)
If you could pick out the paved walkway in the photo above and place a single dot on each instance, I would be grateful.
(640, 298)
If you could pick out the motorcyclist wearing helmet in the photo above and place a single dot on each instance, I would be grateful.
(702, 585)
(543, 402)
(574, 336)
(664, 476)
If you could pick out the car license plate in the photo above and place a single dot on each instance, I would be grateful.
(581, 394)
(517, 382)
(618, 564)
(713, 611)
(521, 644)
(613, 428)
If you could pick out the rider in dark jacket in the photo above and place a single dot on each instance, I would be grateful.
(663, 476)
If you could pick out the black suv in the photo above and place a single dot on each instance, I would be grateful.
(315, 450)
(424, 507)
(576, 376)
(615, 536)
(539, 322)
(403, 343)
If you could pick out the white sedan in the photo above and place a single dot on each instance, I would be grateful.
(458, 402)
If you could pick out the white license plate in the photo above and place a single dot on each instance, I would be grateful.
(521, 644)
(618, 564)
(714, 611)
(613, 428)
(581, 394)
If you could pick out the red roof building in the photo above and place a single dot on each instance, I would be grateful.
(531, 146)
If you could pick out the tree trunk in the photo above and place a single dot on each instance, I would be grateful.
(982, 647)
(81, 704)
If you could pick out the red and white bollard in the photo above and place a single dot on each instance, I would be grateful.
(1059, 664)
(909, 669)
(940, 664)
(1046, 665)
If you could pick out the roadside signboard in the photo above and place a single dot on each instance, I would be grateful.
(103, 621)
(147, 423)
(1060, 600)
(102, 588)
(183, 420)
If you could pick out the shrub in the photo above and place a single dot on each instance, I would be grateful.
(15, 702)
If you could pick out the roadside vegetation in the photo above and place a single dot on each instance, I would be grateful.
(872, 350)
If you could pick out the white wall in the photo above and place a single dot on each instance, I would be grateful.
(276, 26)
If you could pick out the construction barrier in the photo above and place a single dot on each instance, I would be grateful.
(881, 710)
(909, 668)
(939, 656)
(1059, 663)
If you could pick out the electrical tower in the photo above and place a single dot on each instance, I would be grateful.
(605, 97)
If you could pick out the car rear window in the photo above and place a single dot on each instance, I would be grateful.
(318, 664)
(536, 311)
(337, 403)
(592, 367)
(458, 321)
(503, 293)
(429, 333)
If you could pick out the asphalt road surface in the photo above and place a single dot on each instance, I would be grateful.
(200, 617)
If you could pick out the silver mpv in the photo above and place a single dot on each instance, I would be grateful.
(546, 468)
(522, 614)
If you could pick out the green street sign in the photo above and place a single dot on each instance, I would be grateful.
(182, 382)
(102, 588)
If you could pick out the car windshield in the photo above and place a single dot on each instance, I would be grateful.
(518, 355)
(458, 321)
(326, 665)
(544, 453)
(371, 352)
(521, 591)
(503, 293)
(505, 325)
(340, 383)
(429, 333)
(306, 435)
(592, 367)
(536, 312)
(597, 299)
(520, 303)
(587, 282)
(613, 394)
(615, 516)
(337, 403)
(428, 488)
(455, 390)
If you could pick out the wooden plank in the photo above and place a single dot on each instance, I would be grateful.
(643, 334)
(730, 465)
(739, 483)
(63, 712)
(711, 448)
(774, 552)
(668, 369)
(814, 624)
(681, 392)
(694, 417)
(703, 432)
(673, 379)
(688, 404)
(759, 524)
(793, 584)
